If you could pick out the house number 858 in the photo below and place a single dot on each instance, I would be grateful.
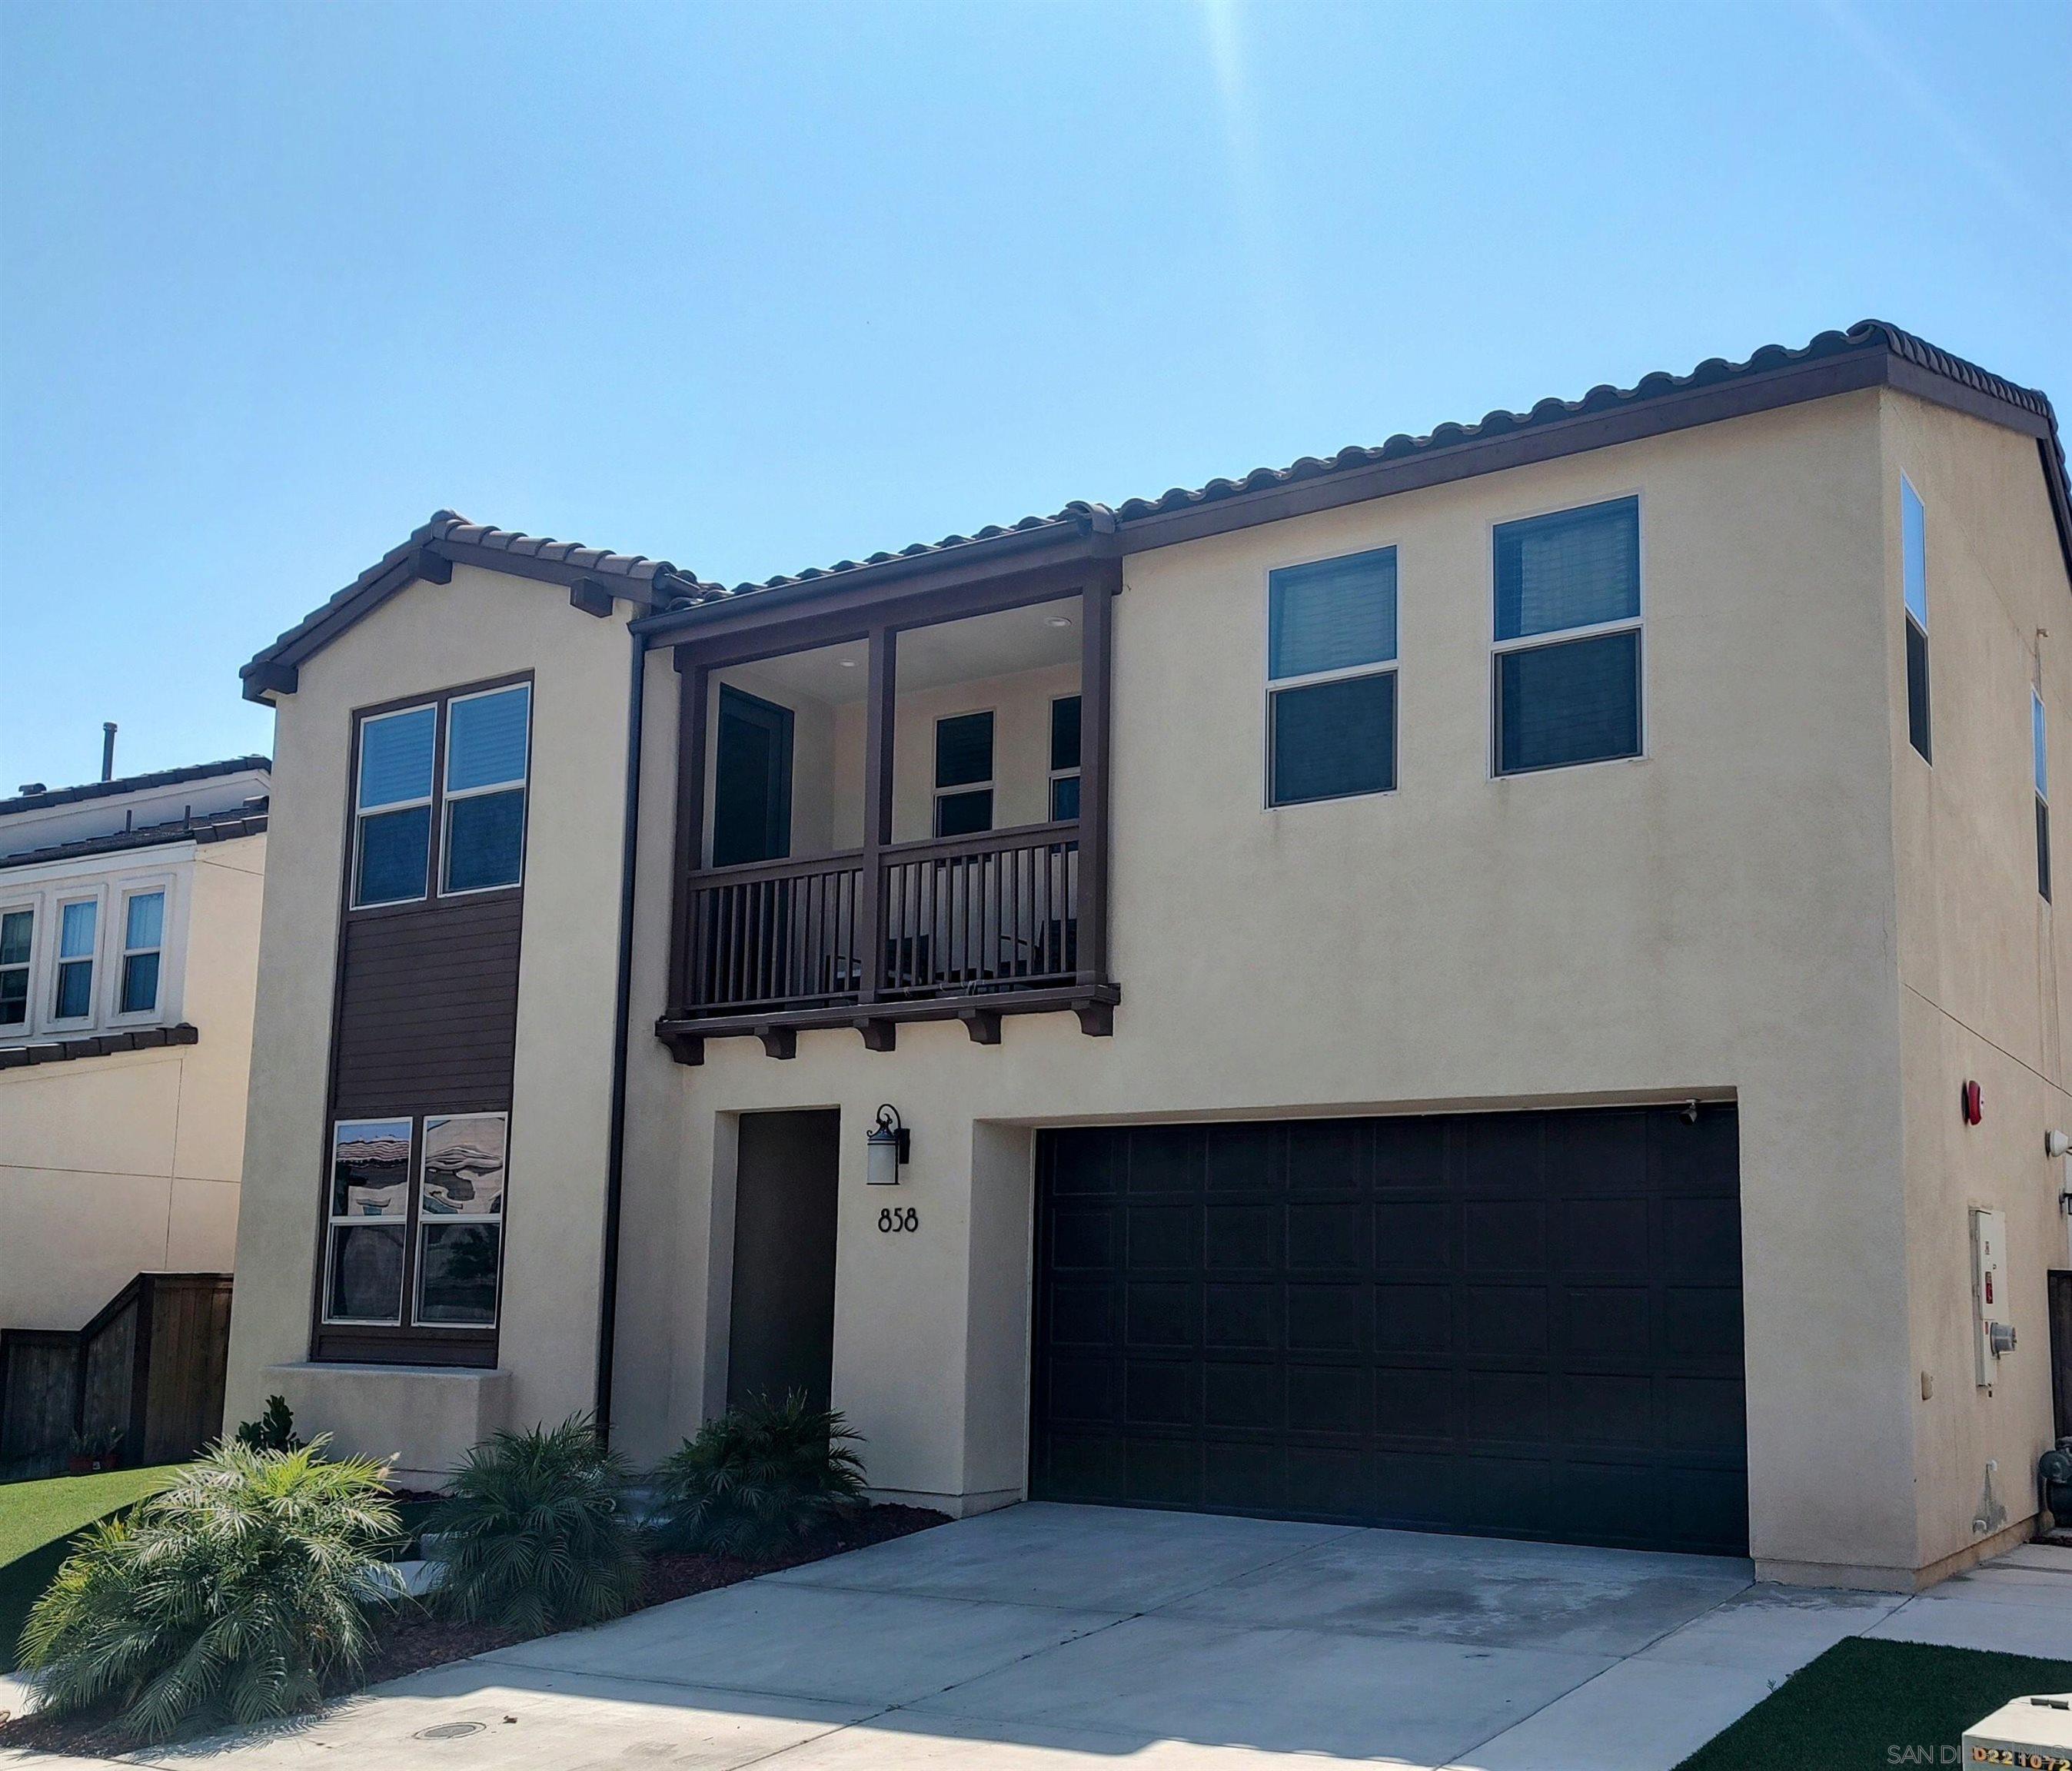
(895, 1219)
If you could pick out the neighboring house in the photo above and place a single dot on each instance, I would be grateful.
(129, 947)
(1438, 986)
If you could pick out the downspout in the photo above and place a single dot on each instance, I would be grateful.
(608, 1323)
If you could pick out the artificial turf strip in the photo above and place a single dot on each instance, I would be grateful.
(37, 1521)
(1866, 1704)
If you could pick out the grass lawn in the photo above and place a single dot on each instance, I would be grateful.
(1868, 1704)
(37, 1520)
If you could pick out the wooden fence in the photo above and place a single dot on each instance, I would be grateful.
(148, 1369)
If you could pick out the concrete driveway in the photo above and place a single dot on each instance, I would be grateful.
(1049, 1637)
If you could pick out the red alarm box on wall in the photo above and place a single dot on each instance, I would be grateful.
(1975, 1104)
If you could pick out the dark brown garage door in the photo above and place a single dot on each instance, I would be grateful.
(1524, 1324)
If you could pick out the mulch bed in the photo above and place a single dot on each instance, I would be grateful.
(413, 1639)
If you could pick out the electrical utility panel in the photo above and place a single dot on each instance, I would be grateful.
(1989, 1293)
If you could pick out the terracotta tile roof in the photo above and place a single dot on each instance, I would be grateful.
(1866, 338)
(1863, 355)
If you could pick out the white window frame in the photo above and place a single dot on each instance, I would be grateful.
(990, 785)
(418, 1226)
(1635, 623)
(121, 951)
(1390, 667)
(1052, 776)
(361, 813)
(60, 900)
(32, 903)
(447, 796)
(333, 1222)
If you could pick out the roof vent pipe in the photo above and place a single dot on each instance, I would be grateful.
(108, 749)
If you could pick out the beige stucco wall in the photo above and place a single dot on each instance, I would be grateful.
(1716, 918)
(1983, 977)
(129, 1163)
(434, 637)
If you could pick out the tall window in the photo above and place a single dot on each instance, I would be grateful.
(963, 774)
(487, 736)
(415, 1220)
(77, 924)
(395, 806)
(1331, 669)
(18, 931)
(2040, 770)
(475, 801)
(1568, 657)
(1064, 758)
(1913, 580)
(143, 943)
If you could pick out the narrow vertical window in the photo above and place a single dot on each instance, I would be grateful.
(17, 943)
(1330, 671)
(1064, 758)
(963, 774)
(1913, 574)
(1567, 667)
(143, 943)
(368, 1209)
(460, 1220)
(2040, 764)
(78, 924)
(393, 805)
(488, 738)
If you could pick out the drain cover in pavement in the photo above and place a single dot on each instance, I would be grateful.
(448, 1730)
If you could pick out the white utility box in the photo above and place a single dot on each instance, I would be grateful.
(1989, 1293)
(2030, 1732)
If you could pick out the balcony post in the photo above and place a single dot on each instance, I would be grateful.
(1096, 708)
(691, 688)
(876, 805)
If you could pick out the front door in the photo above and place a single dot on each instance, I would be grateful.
(782, 1333)
(751, 780)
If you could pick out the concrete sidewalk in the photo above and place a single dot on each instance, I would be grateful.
(1051, 1637)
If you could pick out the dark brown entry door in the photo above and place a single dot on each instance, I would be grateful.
(1518, 1324)
(782, 1322)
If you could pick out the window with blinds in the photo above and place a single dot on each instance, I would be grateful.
(1566, 667)
(1331, 668)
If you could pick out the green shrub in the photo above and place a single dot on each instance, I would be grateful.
(228, 1597)
(274, 1431)
(758, 1479)
(537, 1535)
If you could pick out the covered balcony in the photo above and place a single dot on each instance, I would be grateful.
(895, 813)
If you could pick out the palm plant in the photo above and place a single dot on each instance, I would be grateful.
(759, 1478)
(228, 1597)
(537, 1535)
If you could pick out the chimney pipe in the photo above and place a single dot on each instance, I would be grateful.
(108, 749)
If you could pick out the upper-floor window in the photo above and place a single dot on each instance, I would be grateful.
(1064, 758)
(2040, 769)
(1330, 670)
(78, 926)
(17, 948)
(1566, 672)
(143, 946)
(473, 805)
(1914, 590)
(963, 774)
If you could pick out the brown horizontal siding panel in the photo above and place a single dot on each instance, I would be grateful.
(428, 1008)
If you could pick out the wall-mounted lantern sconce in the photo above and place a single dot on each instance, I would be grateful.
(887, 1145)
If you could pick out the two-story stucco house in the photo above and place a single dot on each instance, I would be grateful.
(129, 945)
(1439, 987)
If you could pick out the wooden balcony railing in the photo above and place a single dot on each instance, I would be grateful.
(959, 917)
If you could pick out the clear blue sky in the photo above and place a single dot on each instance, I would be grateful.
(758, 287)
